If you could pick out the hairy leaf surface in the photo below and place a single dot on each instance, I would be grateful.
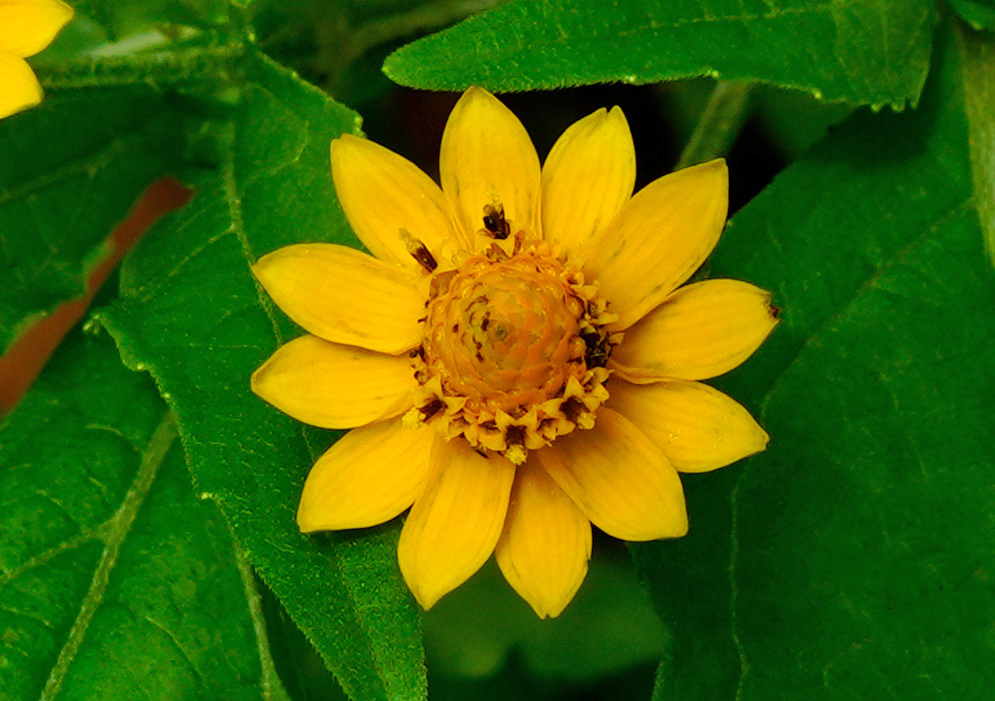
(853, 558)
(115, 581)
(193, 315)
(862, 51)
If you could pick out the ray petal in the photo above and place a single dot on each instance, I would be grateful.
(487, 158)
(546, 543)
(369, 476)
(334, 386)
(656, 242)
(344, 295)
(455, 524)
(697, 427)
(619, 478)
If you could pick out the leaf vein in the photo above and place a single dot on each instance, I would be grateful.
(116, 529)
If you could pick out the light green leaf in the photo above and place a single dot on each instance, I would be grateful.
(862, 51)
(68, 174)
(853, 559)
(115, 581)
(192, 314)
(977, 52)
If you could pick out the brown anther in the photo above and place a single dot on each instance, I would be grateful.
(431, 409)
(419, 251)
(515, 435)
(572, 408)
(598, 348)
(494, 222)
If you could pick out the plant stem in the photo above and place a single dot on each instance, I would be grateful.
(719, 124)
(159, 67)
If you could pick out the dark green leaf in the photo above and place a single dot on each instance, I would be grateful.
(853, 559)
(193, 315)
(610, 628)
(68, 174)
(865, 51)
(115, 581)
(793, 121)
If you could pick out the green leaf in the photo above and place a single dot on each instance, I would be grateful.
(853, 559)
(793, 121)
(977, 53)
(980, 14)
(192, 314)
(68, 174)
(864, 51)
(609, 629)
(115, 581)
(121, 19)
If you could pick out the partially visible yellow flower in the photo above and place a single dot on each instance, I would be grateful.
(517, 361)
(26, 27)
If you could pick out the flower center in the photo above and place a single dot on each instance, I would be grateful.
(514, 351)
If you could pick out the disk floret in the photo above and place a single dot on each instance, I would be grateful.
(514, 351)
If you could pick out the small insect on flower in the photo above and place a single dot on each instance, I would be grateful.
(517, 359)
(26, 27)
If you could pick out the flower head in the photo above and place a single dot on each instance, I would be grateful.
(26, 27)
(517, 359)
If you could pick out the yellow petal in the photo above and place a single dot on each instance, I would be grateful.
(659, 239)
(619, 478)
(587, 178)
(369, 476)
(546, 543)
(19, 89)
(334, 386)
(488, 158)
(697, 427)
(701, 331)
(28, 26)
(453, 527)
(384, 194)
(345, 296)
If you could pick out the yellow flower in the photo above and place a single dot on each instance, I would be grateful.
(26, 27)
(517, 361)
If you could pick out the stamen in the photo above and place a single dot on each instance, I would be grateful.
(573, 408)
(431, 409)
(494, 222)
(598, 349)
(419, 251)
